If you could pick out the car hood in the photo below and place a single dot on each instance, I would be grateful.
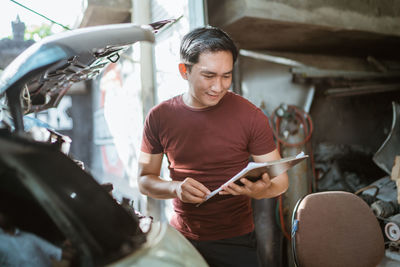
(48, 68)
(76, 203)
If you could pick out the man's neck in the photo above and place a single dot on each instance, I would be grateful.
(188, 101)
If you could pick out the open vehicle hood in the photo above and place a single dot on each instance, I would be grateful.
(38, 172)
(47, 69)
(35, 174)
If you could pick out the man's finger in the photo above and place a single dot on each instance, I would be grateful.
(187, 197)
(265, 177)
(247, 183)
(235, 189)
(266, 180)
(196, 187)
(196, 192)
(193, 191)
(199, 186)
(227, 191)
(203, 189)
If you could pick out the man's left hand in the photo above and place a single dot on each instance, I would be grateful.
(252, 189)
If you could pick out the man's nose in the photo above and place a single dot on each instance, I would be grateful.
(217, 85)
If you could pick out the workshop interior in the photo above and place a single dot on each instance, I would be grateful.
(326, 73)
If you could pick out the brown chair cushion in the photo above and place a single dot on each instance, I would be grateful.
(337, 229)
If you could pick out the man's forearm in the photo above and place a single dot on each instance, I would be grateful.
(279, 185)
(155, 187)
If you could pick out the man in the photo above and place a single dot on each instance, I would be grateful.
(208, 135)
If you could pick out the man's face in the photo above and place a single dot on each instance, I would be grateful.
(209, 79)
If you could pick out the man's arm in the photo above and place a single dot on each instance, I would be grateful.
(263, 188)
(151, 184)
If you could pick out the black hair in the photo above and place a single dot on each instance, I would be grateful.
(205, 39)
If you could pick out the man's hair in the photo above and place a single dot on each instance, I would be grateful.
(205, 39)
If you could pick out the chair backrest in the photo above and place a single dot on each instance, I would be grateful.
(335, 229)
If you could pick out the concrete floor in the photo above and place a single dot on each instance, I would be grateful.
(391, 259)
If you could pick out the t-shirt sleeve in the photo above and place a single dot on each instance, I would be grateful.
(151, 139)
(261, 136)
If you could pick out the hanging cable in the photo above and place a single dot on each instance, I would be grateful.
(43, 16)
(300, 115)
(281, 219)
(26, 102)
(306, 122)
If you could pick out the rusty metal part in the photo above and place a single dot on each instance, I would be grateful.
(392, 228)
(362, 89)
(384, 209)
(385, 155)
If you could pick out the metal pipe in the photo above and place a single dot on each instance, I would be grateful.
(142, 15)
(269, 58)
(309, 99)
(362, 89)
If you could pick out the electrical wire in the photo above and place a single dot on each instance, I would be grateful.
(359, 191)
(26, 102)
(300, 115)
(281, 219)
(43, 16)
(306, 121)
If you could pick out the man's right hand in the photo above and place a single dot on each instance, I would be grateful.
(151, 184)
(191, 191)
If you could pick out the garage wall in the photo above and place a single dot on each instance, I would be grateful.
(270, 83)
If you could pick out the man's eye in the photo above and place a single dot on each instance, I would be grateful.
(208, 76)
(227, 76)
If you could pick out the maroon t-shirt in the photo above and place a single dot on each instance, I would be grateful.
(210, 145)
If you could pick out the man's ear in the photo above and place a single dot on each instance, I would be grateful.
(183, 70)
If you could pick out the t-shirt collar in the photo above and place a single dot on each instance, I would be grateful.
(204, 109)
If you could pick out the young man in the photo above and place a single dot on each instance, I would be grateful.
(208, 135)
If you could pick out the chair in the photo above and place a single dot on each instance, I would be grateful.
(335, 229)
